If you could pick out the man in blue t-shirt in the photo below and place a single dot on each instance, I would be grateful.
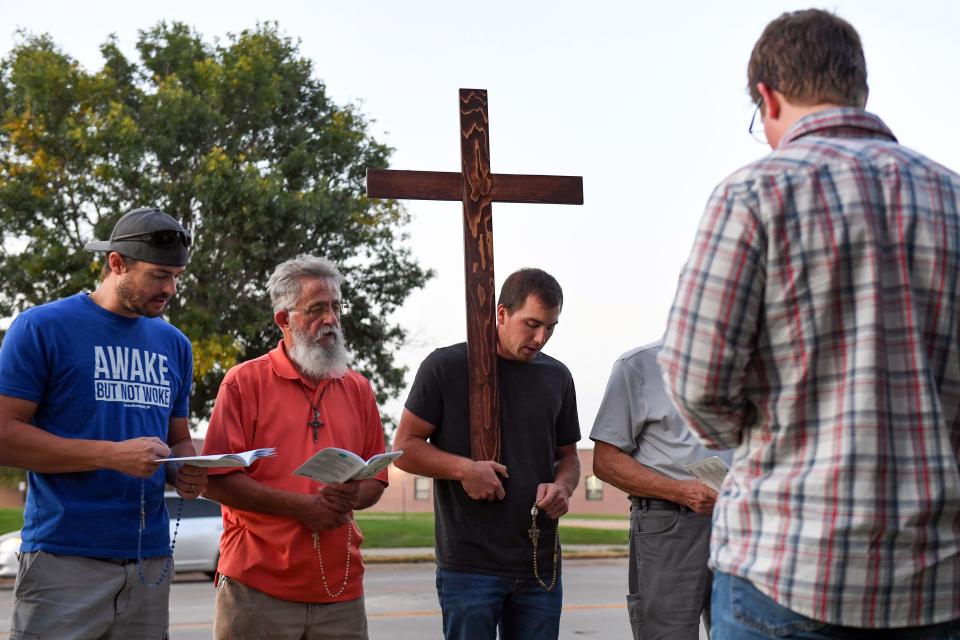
(94, 389)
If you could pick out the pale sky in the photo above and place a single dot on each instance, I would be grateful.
(645, 100)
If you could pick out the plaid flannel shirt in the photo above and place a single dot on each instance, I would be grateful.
(815, 328)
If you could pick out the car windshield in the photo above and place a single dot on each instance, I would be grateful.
(199, 508)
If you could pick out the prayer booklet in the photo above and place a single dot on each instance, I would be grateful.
(339, 465)
(710, 471)
(244, 459)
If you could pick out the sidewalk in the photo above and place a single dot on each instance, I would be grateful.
(425, 554)
(573, 521)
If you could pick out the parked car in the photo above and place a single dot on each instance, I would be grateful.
(198, 540)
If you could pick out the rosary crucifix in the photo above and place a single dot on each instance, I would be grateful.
(477, 188)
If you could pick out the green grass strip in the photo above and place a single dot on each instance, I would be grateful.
(11, 519)
(385, 530)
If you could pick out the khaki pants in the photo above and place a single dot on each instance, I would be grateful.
(75, 598)
(246, 613)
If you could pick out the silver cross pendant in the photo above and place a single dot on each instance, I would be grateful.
(533, 531)
(315, 424)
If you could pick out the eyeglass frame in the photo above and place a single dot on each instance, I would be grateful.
(342, 309)
(753, 120)
(185, 237)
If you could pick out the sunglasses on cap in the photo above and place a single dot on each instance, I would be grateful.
(160, 238)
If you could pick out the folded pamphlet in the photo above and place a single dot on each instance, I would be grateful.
(243, 459)
(339, 465)
(710, 471)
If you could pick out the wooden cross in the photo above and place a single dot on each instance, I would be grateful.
(477, 188)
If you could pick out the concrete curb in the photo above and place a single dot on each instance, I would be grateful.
(426, 554)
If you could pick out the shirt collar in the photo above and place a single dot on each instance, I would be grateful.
(846, 122)
(281, 363)
(284, 367)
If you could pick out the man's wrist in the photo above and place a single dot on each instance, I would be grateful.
(296, 505)
(102, 454)
(170, 470)
(182, 449)
(462, 468)
(679, 492)
(566, 485)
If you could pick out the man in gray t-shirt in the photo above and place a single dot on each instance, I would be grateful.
(641, 446)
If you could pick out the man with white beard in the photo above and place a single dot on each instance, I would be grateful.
(290, 564)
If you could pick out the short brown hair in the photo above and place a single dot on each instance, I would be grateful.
(525, 282)
(811, 57)
(105, 269)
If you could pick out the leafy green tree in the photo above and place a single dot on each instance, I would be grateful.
(11, 477)
(239, 140)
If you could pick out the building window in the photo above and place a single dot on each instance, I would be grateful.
(594, 488)
(421, 488)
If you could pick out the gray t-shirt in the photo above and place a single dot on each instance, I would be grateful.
(637, 417)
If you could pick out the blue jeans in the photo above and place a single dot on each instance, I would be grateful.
(475, 605)
(741, 612)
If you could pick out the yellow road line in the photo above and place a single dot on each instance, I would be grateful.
(405, 614)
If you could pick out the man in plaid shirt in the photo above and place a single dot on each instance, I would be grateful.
(816, 328)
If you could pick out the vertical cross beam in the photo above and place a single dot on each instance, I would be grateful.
(477, 188)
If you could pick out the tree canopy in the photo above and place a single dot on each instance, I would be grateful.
(239, 140)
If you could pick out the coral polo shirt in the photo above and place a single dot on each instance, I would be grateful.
(266, 403)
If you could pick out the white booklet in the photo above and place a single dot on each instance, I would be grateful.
(243, 459)
(710, 471)
(339, 465)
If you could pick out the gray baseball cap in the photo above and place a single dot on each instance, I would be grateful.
(150, 235)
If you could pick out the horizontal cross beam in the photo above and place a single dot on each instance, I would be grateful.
(445, 185)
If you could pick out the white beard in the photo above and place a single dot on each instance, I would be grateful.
(315, 359)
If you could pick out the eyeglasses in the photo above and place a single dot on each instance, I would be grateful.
(160, 238)
(337, 307)
(756, 124)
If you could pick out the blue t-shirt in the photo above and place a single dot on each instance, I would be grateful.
(100, 376)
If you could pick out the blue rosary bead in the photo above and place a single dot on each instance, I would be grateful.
(173, 541)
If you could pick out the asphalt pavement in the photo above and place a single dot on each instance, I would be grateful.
(401, 602)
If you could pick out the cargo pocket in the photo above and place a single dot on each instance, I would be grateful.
(27, 566)
(635, 612)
